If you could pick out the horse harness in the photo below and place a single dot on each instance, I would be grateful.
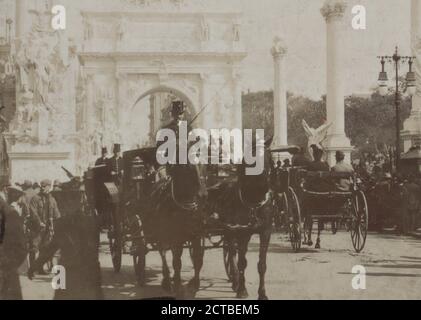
(254, 208)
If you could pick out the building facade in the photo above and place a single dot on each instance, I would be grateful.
(79, 89)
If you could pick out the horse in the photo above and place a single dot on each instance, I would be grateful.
(245, 207)
(175, 218)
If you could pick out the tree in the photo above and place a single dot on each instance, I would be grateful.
(369, 121)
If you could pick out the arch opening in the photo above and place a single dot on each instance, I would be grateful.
(151, 112)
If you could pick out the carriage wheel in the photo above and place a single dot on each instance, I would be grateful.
(294, 220)
(230, 262)
(116, 243)
(139, 261)
(359, 222)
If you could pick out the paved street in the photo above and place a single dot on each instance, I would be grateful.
(393, 266)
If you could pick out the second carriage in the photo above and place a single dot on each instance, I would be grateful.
(300, 205)
(331, 204)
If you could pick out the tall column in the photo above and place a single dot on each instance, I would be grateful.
(412, 126)
(20, 17)
(333, 11)
(237, 117)
(279, 51)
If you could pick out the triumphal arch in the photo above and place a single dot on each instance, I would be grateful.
(120, 57)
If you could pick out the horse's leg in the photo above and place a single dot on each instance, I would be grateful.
(177, 252)
(166, 281)
(243, 242)
(309, 230)
(233, 262)
(262, 266)
(319, 230)
(197, 255)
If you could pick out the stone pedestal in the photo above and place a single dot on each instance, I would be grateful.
(411, 134)
(333, 11)
(35, 162)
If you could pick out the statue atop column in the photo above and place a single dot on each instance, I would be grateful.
(333, 9)
(279, 47)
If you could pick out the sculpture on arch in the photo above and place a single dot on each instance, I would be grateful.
(205, 30)
(42, 64)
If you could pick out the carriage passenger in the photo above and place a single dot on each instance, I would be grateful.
(318, 164)
(318, 184)
(342, 167)
(299, 159)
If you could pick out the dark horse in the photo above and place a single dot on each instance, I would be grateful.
(245, 207)
(177, 219)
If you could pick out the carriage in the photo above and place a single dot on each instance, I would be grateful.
(128, 202)
(287, 205)
(330, 204)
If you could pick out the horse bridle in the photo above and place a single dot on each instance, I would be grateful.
(189, 206)
(253, 208)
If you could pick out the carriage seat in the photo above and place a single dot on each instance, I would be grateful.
(320, 191)
(328, 180)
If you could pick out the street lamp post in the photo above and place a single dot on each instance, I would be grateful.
(410, 88)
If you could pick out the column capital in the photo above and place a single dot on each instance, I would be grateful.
(279, 48)
(333, 9)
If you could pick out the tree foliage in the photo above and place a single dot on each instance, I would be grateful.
(369, 121)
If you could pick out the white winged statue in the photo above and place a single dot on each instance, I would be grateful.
(316, 136)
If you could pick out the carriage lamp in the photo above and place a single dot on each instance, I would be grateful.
(383, 79)
(138, 170)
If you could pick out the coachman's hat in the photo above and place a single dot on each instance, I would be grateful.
(178, 108)
(117, 148)
(104, 150)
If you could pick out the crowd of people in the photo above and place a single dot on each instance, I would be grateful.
(28, 215)
(33, 230)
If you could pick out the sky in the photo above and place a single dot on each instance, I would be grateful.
(303, 29)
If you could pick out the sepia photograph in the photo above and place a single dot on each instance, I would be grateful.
(210, 150)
